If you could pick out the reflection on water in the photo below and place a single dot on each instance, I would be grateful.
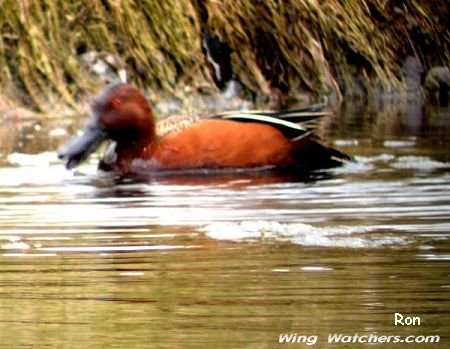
(228, 261)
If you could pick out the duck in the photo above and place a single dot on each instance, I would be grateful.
(227, 141)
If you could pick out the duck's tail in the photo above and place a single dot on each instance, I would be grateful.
(311, 154)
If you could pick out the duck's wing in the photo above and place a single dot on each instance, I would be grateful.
(293, 123)
(302, 114)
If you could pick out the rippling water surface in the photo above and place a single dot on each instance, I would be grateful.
(228, 261)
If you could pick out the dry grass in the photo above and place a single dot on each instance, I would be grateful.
(291, 45)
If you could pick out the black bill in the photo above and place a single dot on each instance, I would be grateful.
(79, 148)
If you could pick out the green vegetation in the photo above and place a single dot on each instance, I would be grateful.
(293, 45)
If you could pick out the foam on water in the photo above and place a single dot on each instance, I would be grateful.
(301, 234)
(422, 163)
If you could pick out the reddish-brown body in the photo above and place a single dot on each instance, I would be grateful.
(122, 114)
(213, 144)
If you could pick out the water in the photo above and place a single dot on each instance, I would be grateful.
(230, 261)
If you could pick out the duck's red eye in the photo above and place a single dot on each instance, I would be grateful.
(116, 103)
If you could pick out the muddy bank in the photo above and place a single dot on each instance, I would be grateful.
(275, 53)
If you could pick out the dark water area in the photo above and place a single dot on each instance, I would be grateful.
(230, 261)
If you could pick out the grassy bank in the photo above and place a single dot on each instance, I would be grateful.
(292, 46)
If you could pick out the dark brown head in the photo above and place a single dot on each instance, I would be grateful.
(119, 112)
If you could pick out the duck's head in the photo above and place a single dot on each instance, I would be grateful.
(119, 112)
